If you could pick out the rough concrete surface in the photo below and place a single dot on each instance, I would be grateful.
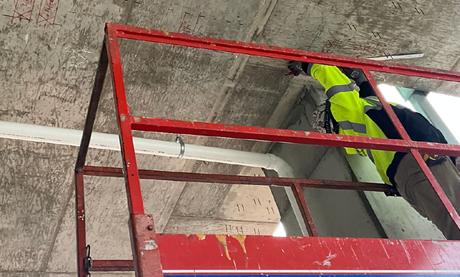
(48, 58)
(368, 29)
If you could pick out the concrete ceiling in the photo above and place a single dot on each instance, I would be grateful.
(48, 56)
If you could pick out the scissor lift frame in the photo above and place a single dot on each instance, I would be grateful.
(155, 255)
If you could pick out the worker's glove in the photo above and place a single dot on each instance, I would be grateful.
(356, 75)
(297, 67)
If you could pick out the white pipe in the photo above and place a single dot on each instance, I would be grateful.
(37, 133)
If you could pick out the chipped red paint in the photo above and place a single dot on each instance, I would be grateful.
(307, 253)
(144, 244)
(181, 254)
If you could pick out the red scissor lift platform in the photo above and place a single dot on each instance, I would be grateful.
(158, 255)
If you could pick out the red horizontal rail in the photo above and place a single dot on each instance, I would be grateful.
(112, 265)
(157, 36)
(234, 179)
(288, 136)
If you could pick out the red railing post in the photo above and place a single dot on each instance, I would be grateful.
(391, 114)
(306, 215)
(133, 187)
(144, 246)
(146, 255)
(80, 220)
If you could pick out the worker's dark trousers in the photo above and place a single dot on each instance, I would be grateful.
(417, 190)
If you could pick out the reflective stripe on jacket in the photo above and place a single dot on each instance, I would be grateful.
(349, 110)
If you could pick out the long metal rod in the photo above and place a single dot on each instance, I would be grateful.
(93, 104)
(236, 179)
(46, 134)
(157, 36)
(288, 136)
(133, 186)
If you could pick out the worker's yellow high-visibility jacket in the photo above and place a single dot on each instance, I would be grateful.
(365, 117)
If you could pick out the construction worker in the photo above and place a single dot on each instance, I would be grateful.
(361, 114)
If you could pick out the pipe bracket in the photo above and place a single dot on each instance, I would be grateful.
(182, 146)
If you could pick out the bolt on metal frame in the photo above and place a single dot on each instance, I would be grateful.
(146, 254)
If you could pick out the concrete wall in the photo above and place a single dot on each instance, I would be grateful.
(46, 75)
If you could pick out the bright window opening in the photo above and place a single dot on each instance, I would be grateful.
(392, 95)
(447, 107)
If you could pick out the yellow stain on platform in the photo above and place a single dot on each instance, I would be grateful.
(223, 240)
(200, 237)
(166, 33)
(240, 239)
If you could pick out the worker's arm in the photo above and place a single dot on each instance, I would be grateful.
(348, 110)
(339, 89)
(346, 106)
(329, 76)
